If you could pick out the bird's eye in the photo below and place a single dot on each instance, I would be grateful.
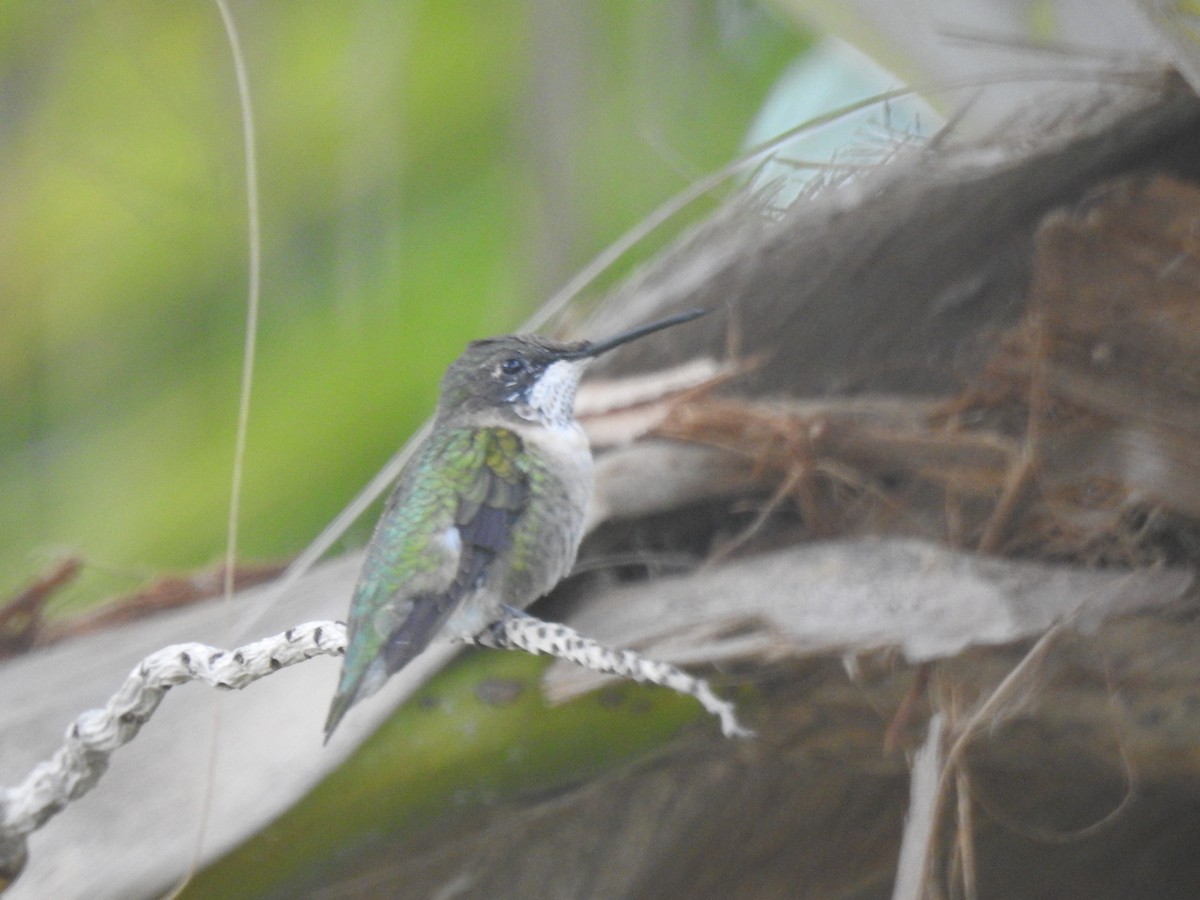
(512, 365)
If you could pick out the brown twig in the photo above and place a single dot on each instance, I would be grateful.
(21, 618)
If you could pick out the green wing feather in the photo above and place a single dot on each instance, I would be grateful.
(454, 509)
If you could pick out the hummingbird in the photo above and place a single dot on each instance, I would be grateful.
(487, 515)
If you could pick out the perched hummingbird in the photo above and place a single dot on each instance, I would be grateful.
(487, 514)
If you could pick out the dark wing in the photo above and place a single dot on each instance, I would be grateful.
(492, 494)
(478, 494)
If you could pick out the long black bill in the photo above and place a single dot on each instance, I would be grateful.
(589, 349)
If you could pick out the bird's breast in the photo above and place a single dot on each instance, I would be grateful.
(565, 449)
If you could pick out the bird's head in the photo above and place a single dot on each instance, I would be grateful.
(533, 377)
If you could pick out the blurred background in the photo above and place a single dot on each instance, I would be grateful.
(429, 174)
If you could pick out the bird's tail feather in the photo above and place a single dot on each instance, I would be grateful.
(428, 615)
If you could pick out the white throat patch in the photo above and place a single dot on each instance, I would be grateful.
(552, 399)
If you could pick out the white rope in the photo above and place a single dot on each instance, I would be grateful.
(518, 631)
(93, 736)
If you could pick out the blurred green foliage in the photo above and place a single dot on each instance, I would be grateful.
(429, 172)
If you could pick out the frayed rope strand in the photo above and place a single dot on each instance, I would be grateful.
(519, 631)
